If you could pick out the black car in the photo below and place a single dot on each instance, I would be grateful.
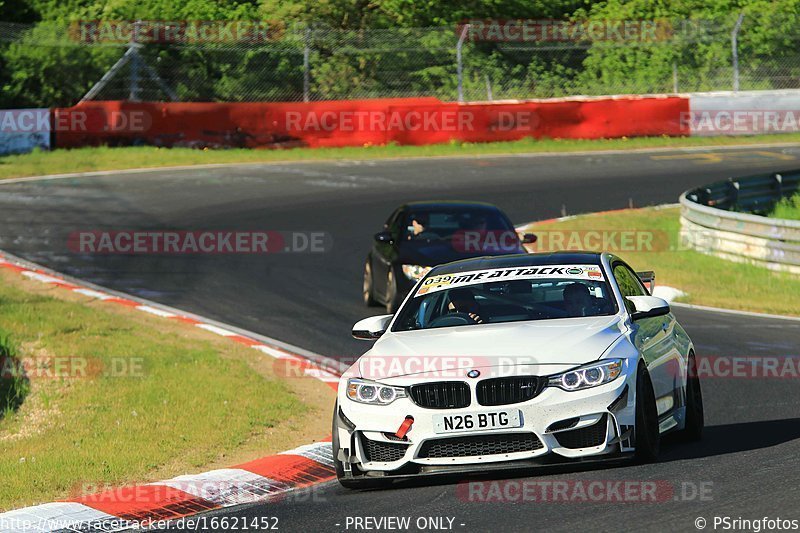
(421, 235)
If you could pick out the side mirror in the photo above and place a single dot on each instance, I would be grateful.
(371, 328)
(529, 238)
(384, 236)
(648, 307)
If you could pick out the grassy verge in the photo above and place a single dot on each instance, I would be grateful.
(104, 158)
(119, 397)
(707, 280)
(787, 208)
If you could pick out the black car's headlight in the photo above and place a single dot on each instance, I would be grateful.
(365, 391)
(588, 376)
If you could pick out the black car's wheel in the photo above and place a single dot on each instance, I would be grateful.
(392, 298)
(647, 437)
(368, 293)
(695, 416)
(358, 481)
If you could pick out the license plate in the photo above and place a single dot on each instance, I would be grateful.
(509, 418)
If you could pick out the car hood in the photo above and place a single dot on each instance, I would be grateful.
(437, 252)
(557, 342)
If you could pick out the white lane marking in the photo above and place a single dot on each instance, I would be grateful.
(44, 278)
(218, 330)
(93, 294)
(278, 354)
(735, 312)
(321, 452)
(155, 311)
(50, 517)
(227, 486)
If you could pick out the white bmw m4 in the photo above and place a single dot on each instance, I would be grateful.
(514, 361)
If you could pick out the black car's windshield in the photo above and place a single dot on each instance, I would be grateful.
(508, 295)
(447, 223)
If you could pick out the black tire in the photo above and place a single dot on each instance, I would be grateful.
(392, 300)
(368, 291)
(695, 415)
(647, 436)
(359, 481)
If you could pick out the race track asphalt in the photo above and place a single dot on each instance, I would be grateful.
(746, 465)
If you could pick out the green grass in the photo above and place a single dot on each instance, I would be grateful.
(179, 399)
(787, 208)
(707, 280)
(104, 158)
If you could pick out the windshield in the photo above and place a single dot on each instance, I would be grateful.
(444, 224)
(507, 295)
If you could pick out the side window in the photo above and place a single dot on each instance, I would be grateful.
(392, 218)
(629, 284)
(394, 224)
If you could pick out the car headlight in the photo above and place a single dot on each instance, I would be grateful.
(588, 376)
(364, 391)
(415, 272)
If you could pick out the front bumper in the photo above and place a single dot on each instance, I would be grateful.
(556, 426)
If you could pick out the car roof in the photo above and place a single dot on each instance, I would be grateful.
(450, 205)
(519, 260)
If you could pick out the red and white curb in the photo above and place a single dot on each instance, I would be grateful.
(264, 479)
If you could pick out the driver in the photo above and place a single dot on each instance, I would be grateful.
(463, 301)
(577, 299)
(417, 226)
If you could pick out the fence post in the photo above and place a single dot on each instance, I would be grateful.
(675, 77)
(306, 65)
(459, 66)
(488, 88)
(135, 61)
(735, 51)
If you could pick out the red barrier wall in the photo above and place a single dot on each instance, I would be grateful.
(359, 122)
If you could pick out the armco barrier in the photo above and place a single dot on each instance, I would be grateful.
(712, 221)
(409, 121)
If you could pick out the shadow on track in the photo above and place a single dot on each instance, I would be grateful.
(733, 438)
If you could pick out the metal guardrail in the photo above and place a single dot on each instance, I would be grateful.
(726, 219)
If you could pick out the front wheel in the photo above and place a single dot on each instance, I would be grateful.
(695, 416)
(392, 298)
(367, 290)
(647, 436)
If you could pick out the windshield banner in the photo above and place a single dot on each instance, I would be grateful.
(461, 279)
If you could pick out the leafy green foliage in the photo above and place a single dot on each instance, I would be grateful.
(787, 208)
(14, 385)
(45, 67)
